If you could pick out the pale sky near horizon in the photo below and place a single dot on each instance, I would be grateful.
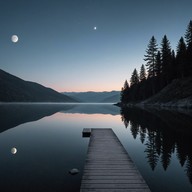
(85, 45)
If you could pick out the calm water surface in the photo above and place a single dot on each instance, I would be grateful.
(40, 143)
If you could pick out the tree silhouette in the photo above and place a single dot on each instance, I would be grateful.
(134, 78)
(158, 142)
(163, 66)
(126, 85)
(174, 70)
(151, 150)
(181, 57)
(166, 59)
(142, 132)
(124, 92)
(188, 34)
(134, 127)
(158, 131)
(158, 68)
(125, 117)
(189, 169)
(188, 38)
(181, 153)
(168, 147)
(142, 74)
(125, 121)
(151, 56)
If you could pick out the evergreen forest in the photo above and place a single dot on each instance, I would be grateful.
(162, 66)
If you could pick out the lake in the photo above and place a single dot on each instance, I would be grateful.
(40, 143)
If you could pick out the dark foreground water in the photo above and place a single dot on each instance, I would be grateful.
(40, 143)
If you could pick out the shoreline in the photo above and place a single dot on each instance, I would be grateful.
(180, 104)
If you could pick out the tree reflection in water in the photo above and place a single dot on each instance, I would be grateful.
(163, 132)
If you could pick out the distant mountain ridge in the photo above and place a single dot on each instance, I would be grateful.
(14, 89)
(95, 97)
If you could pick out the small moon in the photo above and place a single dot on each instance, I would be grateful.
(13, 150)
(14, 38)
(95, 28)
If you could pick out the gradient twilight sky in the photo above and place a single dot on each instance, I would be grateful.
(59, 48)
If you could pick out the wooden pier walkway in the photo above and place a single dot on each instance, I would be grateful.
(108, 167)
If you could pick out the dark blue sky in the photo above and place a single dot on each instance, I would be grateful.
(59, 48)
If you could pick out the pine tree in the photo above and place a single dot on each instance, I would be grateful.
(142, 74)
(181, 57)
(126, 85)
(150, 57)
(124, 92)
(166, 60)
(158, 66)
(174, 65)
(188, 38)
(188, 34)
(134, 78)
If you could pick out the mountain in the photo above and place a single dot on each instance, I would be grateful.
(14, 89)
(112, 99)
(95, 97)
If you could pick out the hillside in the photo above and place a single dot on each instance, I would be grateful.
(14, 89)
(95, 97)
(176, 94)
(112, 99)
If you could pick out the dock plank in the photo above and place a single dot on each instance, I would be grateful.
(108, 166)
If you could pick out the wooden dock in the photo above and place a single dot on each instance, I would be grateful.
(108, 167)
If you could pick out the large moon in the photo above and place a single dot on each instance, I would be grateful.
(13, 150)
(14, 38)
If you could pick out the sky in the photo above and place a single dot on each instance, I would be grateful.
(85, 45)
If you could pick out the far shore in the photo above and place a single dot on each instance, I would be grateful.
(184, 103)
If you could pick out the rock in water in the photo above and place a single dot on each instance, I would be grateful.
(74, 171)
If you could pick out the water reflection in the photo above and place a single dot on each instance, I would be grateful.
(37, 153)
(14, 150)
(163, 133)
(13, 115)
(51, 144)
(94, 108)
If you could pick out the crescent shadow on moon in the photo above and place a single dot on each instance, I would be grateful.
(14, 38)
(13, 150)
